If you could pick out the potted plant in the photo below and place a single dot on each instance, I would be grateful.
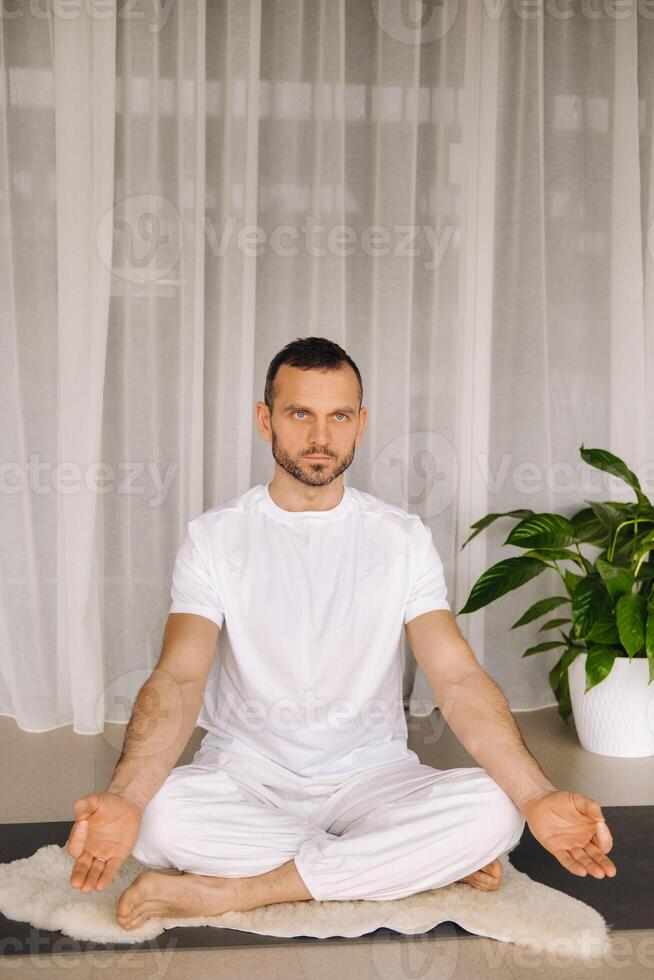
(604, 610)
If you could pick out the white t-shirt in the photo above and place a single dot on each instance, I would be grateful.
(309, 672)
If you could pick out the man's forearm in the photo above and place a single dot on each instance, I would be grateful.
(162, 720)
(479, 715)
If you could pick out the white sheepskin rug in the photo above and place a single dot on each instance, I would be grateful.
(37, 890)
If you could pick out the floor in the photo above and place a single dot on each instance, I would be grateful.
(30, 791)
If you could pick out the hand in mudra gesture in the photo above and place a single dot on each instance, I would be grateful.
(571, 827)
(105, 831)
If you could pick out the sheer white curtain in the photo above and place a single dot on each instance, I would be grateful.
(460, 194)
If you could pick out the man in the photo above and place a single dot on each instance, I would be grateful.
(304, 786)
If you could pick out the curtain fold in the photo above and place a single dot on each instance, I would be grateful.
(628, 416)
(459, 194)
(474, 323)
(84, 47)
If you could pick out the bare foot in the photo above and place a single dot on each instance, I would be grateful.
(184, 895)
(487, 879)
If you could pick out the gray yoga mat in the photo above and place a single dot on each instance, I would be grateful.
(626, 901)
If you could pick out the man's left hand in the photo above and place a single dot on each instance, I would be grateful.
(571, 827)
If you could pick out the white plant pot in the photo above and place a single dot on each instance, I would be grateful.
(616, 717)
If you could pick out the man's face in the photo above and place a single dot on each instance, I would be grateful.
(315, 412)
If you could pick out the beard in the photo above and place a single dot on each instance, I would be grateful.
(311, 472)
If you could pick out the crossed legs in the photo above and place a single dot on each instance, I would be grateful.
(241, 843)
(187, 895)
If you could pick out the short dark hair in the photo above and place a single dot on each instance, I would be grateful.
(308, 352)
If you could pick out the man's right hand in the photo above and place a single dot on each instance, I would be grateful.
(106, 826)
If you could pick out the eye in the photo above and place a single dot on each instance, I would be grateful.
(304, 413)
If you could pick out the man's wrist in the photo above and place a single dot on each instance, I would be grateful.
(129, 794)
(534, 793)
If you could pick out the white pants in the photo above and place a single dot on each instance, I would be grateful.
(388, 832)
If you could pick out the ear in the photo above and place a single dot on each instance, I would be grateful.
(262, 416)
(363, 418)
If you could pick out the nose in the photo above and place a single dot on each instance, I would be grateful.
(319, 441)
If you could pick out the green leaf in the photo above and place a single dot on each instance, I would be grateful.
(643, 545)
(646, 572)
(630, 616)
(558, 679)
(483, 522)
(649, 641)
(599, 662)
(540, 647)
(604, 630)
(616, 578)
(559, 554)
(589, 529)
(590, 600)
(561, 665)
(542, 531)
(608, 514)
(602, 459)
(540, 608)
(571, 580)
(552, 624)
(554, 676)
(565, 702)
(499, 579)
(629, 546)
